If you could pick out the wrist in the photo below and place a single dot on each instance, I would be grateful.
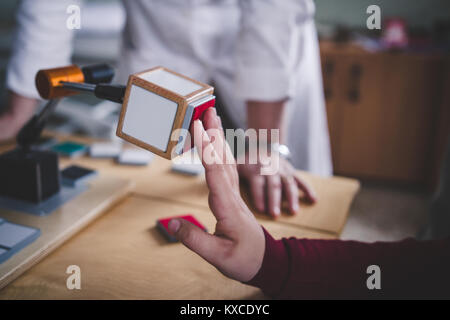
(270, 148)
(274, 269)
(282, 150)
(267, 115)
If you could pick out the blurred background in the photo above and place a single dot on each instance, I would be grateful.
(387, 94)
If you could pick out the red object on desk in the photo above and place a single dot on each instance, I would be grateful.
(163, 225)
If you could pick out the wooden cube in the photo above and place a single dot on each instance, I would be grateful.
(157, 102)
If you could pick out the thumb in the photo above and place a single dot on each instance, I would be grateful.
(204, 244)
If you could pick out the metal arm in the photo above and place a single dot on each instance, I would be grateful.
(106, 91)
(32, 130)
(96, 77)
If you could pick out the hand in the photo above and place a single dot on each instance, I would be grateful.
(267, 191)
(237, 246)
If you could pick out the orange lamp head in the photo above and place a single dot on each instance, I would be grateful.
(48, 81)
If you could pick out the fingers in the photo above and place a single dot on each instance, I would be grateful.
(216, 176)
(211, 120)
(213, 126)
(222, 153)
(257, 185)
(212, 147)
(204, 146)
(274, 192)
(204, 244)
(290, 190)
(310, 195)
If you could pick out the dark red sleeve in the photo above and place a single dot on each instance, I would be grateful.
(319, 269)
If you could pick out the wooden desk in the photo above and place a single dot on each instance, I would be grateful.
(157, 180)
(122, 255)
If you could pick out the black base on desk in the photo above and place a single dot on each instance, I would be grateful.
(29, 175)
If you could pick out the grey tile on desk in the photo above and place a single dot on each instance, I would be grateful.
(13, 234)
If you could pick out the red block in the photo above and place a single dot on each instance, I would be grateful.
(163, 225)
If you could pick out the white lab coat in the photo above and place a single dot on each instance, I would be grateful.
(250, 49)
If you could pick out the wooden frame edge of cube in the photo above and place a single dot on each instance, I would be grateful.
(197, 93)
(181, 105)
(182, 102)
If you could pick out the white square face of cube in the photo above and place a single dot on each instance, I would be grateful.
(149, 117)
(170, 81)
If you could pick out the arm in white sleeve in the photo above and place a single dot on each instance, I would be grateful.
(42, 40)
(269, 47)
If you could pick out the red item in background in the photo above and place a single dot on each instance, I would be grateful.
(395, 35)
(163, 225)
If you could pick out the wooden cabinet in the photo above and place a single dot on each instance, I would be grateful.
(383, 113)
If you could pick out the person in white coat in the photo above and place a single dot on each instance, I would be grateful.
(261, 55)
